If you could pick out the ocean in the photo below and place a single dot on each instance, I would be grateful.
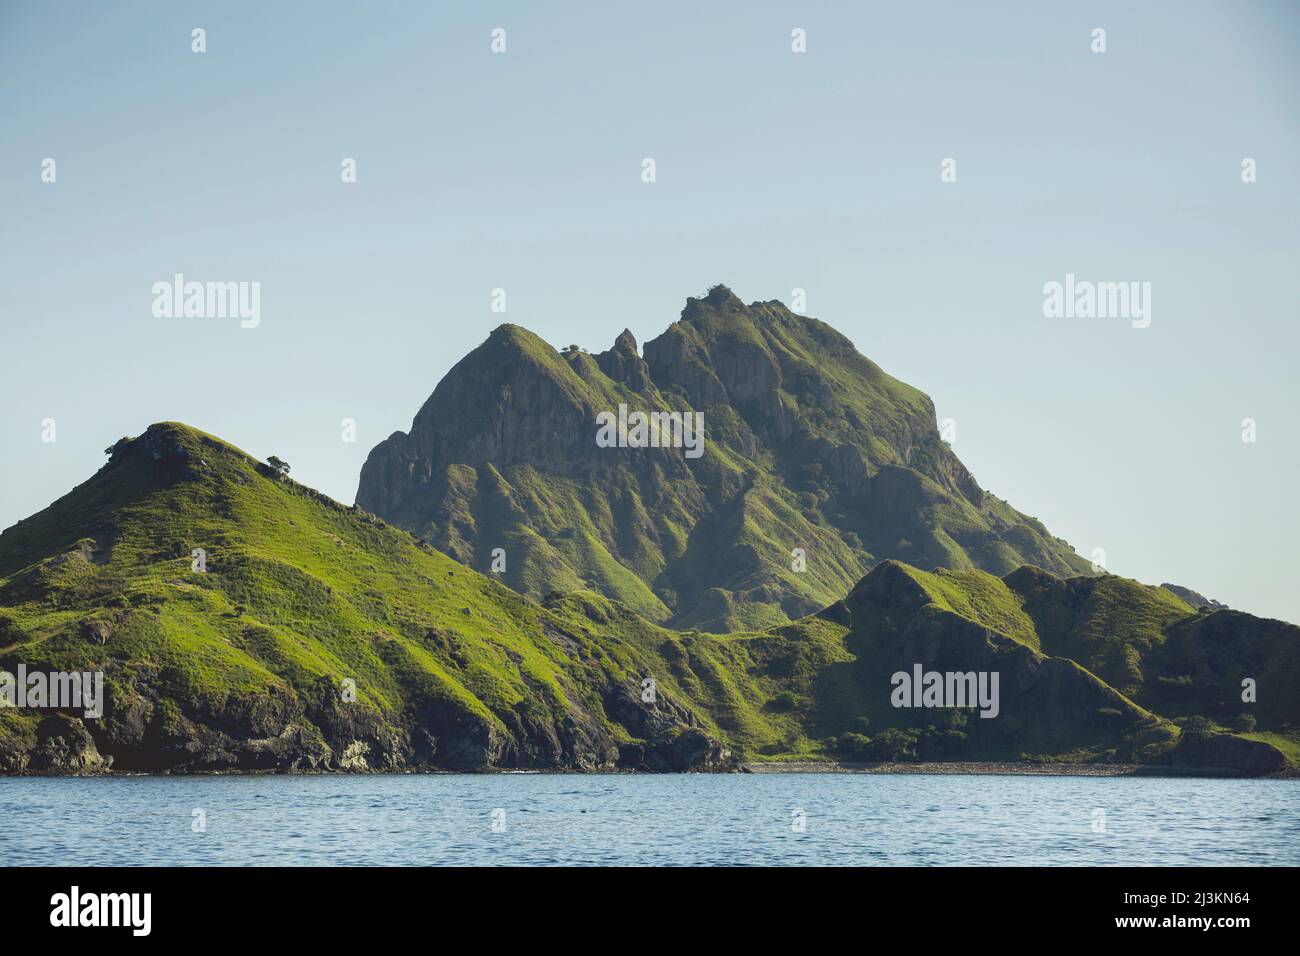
(691, 819)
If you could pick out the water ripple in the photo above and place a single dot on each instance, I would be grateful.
(634, 820)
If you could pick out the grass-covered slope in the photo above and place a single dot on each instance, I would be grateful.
(1174, 680)
(242, 665)
(808, 446)
(249, 664)
(1234, 670)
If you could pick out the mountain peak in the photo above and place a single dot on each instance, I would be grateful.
(509, 335)
(719, 298)
(624, 364)
(176, 443)
(626, 342)
(809, 445)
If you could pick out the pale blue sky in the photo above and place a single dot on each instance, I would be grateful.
(775, 171)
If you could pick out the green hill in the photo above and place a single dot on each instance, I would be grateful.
(809, 446)
(246, 665)
(241, 666)
(1168, 656)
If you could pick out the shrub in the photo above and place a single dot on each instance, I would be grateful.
(935, 744)
(783, 702)
(855, 746)
(892, 744)
(1196, 727)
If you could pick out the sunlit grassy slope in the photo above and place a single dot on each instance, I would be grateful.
(244, 665)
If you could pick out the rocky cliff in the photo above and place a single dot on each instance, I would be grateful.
(816, 465)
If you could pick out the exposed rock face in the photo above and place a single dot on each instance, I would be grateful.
(285, 732)
(354, 739)
(64, 746)
(623, 364)
(315, 730)
(808, 445)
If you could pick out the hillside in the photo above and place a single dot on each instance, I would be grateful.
(1168, 656)
(242, 666)
(808, 445)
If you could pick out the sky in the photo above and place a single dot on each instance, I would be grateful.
(774, 170)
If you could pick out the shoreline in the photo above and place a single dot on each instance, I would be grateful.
(1006, 769)
(973, 768)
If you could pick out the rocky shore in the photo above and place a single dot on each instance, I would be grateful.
(1004, 768)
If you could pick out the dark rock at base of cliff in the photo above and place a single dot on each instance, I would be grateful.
(65, 746)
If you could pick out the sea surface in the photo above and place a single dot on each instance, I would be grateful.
(705, 819)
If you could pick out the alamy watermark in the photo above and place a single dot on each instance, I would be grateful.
(58, 690)
(75, 908)
(651, 430)
(208, 300)
(946, 689)
(1084, 299)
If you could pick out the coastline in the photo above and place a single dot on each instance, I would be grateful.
(968, 768)
(1006, 768)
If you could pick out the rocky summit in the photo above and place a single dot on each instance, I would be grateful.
(816, 466)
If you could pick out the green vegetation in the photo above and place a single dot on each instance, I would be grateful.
(817, 465)
(234, 612)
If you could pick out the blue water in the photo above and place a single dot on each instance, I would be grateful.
(680, 819)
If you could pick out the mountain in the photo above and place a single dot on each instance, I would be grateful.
(313, 636)
(808, 445)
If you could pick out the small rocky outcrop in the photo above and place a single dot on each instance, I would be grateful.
(65, 746)
(623, 364)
